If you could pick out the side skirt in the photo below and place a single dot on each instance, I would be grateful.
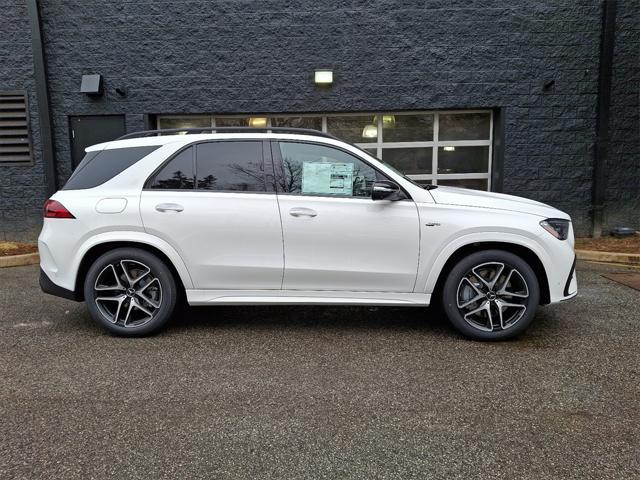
(302, 297)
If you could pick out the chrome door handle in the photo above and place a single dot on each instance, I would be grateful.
(169, 207)
(302, 212)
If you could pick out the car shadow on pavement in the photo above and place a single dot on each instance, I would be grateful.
(305, 317)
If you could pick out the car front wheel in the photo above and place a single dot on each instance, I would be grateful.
(491, 295)
(130, 292)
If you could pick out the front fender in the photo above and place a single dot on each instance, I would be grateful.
(428, 277)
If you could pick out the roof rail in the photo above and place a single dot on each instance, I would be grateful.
(169, 131)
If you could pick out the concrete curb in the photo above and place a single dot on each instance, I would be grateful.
(19, 260)
(609, 257)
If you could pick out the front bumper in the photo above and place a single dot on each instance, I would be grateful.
(571, 286)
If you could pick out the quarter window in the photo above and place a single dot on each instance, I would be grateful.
(98, 167)
(230, 167)
(309, 169)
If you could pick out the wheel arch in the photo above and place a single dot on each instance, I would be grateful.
(522, 251)
(93, 253)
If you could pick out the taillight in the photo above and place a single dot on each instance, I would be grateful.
(54, 209)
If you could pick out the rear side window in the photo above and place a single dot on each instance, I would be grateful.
(230, 166)
(178, 174)
(98, 167)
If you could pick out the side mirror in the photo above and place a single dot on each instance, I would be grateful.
(385, 190)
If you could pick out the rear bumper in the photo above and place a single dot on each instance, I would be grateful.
(51, 288)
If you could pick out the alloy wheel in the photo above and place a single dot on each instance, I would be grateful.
(492, 296)
(127, 293)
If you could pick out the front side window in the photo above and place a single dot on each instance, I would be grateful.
(311, 169)
(230, 166)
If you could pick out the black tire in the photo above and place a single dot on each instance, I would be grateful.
(469, 279)
(149, 299)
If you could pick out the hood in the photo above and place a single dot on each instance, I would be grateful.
(497, 201)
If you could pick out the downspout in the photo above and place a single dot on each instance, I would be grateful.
(42, 96)
(607, 42)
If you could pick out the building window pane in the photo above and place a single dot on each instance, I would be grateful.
(407, 128)
(232, 121)
(473, 183)
(314, 123)
(463, 159)
(353, 129)
(410, 161)
(464, 126)
(230, 166)
(372, 151)
(184, 122)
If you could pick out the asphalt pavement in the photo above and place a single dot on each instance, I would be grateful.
(319, 392)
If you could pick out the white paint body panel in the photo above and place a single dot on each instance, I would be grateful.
(351, 244)
(231, 248)
(227, 240)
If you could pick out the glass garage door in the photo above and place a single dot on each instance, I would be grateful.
(441, 148)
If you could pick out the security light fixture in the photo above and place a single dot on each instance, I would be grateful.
(449, 149)
(323, 77)
(91, 85)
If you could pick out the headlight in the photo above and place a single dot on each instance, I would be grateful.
(557, 227)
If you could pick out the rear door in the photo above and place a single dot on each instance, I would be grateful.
(213, 204)
(335, 236)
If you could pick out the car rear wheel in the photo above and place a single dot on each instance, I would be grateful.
(130, 292)
(491, 295)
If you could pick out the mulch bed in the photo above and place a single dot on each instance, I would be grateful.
(15, 248)
(610, 244)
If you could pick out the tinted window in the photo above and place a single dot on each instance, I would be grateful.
(310, 169)
(230, 166)
(177, 174)
(97, 168)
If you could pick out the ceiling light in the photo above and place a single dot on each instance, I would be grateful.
(323, 77)
(449, 149)
(370, 131)
(259, 122)
(388, 121)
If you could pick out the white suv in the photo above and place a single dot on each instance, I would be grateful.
(288, 216)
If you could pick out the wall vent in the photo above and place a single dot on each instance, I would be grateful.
(15, 136)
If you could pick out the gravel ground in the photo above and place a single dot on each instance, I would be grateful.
(319, 392)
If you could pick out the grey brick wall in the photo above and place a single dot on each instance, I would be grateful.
(623, 163)
(237, 56)
(22, 189)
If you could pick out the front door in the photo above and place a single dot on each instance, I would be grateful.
(212, 204)
(335, 236)
(87, 130)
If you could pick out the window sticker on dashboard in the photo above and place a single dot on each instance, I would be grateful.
(327, 178)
